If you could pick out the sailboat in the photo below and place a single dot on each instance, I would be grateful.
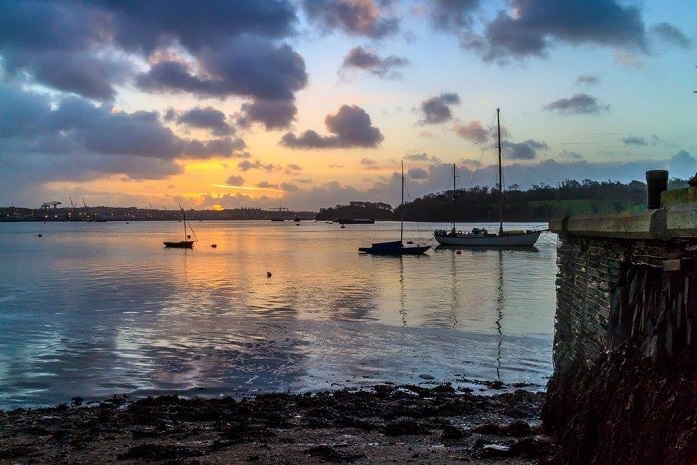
(187, 243)
(396, 247)
(480, 237)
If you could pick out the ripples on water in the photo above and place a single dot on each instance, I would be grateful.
(98, 309)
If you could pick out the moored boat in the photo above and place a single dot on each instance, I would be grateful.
(480, 237)
(396, 247)
(187, 243)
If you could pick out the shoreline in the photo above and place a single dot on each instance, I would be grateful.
(385, 424)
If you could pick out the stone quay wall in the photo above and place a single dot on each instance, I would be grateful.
(624, 388)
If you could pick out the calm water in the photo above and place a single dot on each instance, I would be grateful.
(96, 309)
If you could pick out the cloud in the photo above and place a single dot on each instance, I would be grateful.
(351, 127)
(216, 148)
(246, 66)
(572, 155)
(437, 109)
(267, 185)
(235, 181)
(671, 35)
(355, 17)
(88, 48)
(587, 80)
(682, 165)
(417, 173)
(359, 58)
(473, 131)
(629, 60)
(368, 162)
(421, 157)
(523, 150)
(578, 104)
(452, 15)
(293, 167)
(288, 187)
(534, 26)
(247, 165)
(634, 140)
(206, 118)
(274, 114)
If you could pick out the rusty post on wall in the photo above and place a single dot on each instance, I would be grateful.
(656, 182)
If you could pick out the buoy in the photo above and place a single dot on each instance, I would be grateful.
(214, 245)
(268, 274)
(459, 252)
(39, 235)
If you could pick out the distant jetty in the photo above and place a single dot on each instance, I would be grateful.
(353, 220)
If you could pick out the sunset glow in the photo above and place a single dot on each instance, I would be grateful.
(248, 104)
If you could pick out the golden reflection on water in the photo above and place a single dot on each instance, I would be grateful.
(273, 306)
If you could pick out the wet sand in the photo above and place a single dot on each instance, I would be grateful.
(386, 424)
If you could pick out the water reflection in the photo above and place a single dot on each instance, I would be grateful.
(499, 312)
(96, 310)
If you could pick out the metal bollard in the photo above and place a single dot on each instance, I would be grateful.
(656, 182)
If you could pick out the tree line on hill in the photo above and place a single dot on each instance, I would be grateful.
(480, 203)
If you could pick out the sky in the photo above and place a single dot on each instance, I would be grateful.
(306, 104)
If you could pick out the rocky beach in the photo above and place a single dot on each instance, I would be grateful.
(385, 424)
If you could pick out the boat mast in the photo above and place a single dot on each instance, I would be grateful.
(401, 209)
(498, 124)
(183, 221)
(454, 205)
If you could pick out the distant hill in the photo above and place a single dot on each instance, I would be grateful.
(539, 203)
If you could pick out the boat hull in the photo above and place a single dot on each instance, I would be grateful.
(394, 248)
(180, 245)
(526, 239)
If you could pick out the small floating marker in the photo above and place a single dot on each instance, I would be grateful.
(459, 252)
(39, 235)
(342, 226)
(214, 246)
(268, 274)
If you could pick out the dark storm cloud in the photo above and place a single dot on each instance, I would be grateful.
(273, 114)
(578, 104)
(360, 18)
(88, 48)
(206, 118)
(146, 25)
(523, 150)
(351, 127)
(359, 58)
(57, 44)
(452, 14)
(473, 131)
(96, 139)
(671, 35)
(634, 140)
(537, 24)
(247, 66)
(437, 109)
